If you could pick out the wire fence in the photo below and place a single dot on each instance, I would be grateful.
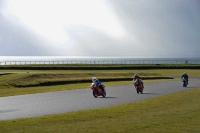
(100, 62)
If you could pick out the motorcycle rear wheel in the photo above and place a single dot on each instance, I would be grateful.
(104, 94)
(141, 91)
(138, 91)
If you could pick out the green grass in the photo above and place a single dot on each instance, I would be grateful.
(57, 80)
(9, 82)
(12, 91)
(20, 79)
(194, 72)
(174, 113)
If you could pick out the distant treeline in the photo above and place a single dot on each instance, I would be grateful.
(100, 67)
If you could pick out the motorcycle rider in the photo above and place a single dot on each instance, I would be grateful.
(136, 76)
(98, 82)
(185, 76)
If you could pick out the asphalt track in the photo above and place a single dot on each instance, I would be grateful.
(40, 104)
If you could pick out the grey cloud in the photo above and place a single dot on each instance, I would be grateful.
(17, 40)
(162, 25)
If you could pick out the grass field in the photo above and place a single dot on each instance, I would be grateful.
(194, 72)
(9, 83)
(177, 113)
(174, 113)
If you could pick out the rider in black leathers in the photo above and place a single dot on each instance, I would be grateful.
(185, 76)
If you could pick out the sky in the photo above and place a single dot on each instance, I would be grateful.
(100, 28)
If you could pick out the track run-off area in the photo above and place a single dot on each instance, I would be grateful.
(32, 105)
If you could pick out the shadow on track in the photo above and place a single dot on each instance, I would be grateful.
(11, 110)
(150, 93)
(191, 87)
(107, 97)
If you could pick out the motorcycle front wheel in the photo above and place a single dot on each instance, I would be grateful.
(138, 91)
(95, 94)
(184, 84)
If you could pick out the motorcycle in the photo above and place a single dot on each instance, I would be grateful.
(138, 85)
(184, 80)
(97, 91)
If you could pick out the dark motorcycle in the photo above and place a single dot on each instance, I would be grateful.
(97, 91)
(185, 82)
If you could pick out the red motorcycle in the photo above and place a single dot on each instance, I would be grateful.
(138, 85)
(97, 91)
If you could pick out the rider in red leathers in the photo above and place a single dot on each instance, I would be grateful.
(139, 79)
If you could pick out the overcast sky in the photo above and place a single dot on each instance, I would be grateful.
(114, 28)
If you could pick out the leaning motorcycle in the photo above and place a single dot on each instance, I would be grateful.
(138, 86)
(184, 80)
(97, 91)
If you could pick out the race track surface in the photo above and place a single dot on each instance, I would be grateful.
(40, 104)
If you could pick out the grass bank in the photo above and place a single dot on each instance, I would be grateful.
(100, 66)
(12, 91)
(194, 72)
(47, 79)
(18, 82)
(178, 112)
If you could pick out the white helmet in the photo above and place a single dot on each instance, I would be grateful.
(184, 73)
(94, 79)
(136, 75)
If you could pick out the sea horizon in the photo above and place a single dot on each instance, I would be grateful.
(37, 56)
(8, 60)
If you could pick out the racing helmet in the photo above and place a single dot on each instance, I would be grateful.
(135, 75)
(94, 79)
